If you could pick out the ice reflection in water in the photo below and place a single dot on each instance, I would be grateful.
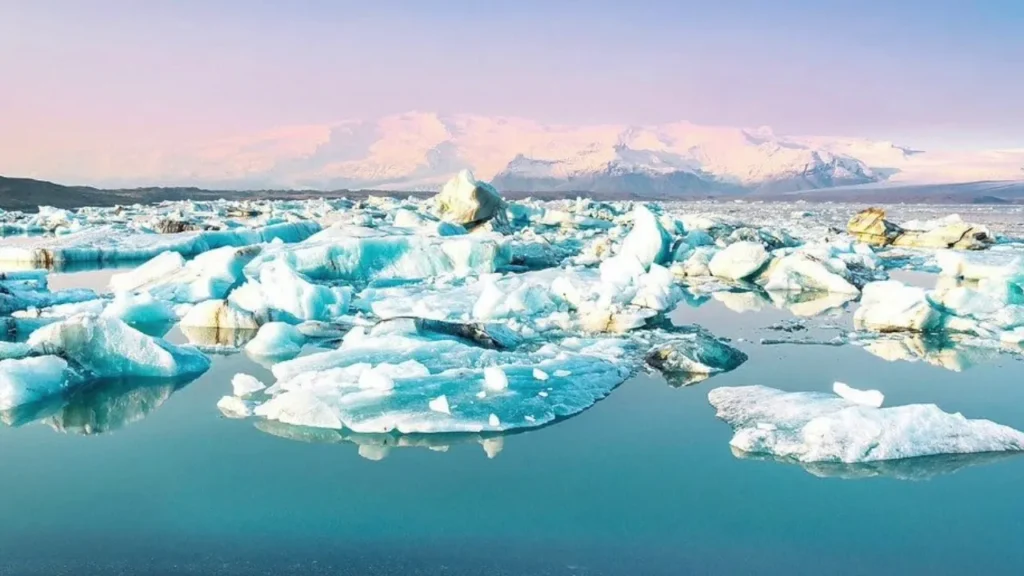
(912, 469)
(98, 407)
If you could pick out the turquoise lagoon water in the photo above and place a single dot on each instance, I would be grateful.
(133, 478)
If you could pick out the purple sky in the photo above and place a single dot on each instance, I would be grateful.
(85, 73)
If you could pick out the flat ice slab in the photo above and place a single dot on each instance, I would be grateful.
(411, 384)
(820, 427)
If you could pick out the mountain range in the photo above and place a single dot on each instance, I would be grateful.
(420, 151)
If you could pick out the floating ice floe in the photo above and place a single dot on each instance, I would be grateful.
(379, 384)
(105, 244)
(819, 427)
(870, 398)
(107, 347)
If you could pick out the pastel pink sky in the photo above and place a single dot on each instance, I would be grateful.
(111, 75)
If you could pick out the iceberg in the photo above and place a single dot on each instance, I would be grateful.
(648, 242)
(139, 310)
(819, 427)
(358, 254)
(891, 306)
(276, 340)
(221, 315)
(168, 277)
(107, 347)
(738, 261)
(282, 294)
(469, 202)
(694, 354)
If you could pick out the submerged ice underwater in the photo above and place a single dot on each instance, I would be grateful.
(466, 318)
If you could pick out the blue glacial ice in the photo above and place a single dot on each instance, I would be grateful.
(416, 384)
(820, 427)
(27, 380)
(101, 347)
(278, 292)
(116, 243)
(361, 254)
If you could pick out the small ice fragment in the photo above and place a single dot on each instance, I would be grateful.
(562, 373)
(872, 398)
(493, 420)
(481, 394)
(530, 419)
(542, 394)
(495, 379)
(440, 404)
(234, 407)
(243, 384)
(539, 374)
(375, 380)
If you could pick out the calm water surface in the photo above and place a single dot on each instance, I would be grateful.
(152, 479)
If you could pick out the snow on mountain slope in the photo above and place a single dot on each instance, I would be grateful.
(419, 151)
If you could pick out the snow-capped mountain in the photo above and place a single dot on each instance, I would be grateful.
(420, 151)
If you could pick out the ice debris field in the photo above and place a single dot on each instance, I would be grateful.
(465, 313)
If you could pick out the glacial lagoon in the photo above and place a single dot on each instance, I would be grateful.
(149, 474)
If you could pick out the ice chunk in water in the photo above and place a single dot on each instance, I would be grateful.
(234, 407)
(140, 309)
(891, 306)
(648, 242)
(220, 315)
(109, 347)
(281, 293)
(243, 384)
(738, 261)
(818, 427)
(698, 353)
(871, 398)
(209, 276)
(276, 340)
(31, 379)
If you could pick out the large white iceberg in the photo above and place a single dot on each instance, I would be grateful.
(891, 306)
(819, 427)
(738, 261)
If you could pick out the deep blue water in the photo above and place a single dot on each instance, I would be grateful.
(642, 483)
